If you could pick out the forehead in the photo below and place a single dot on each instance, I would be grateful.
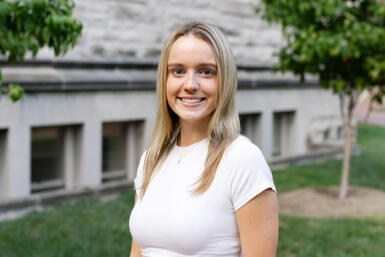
(191, 48)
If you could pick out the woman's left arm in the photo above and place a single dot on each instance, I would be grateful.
(258, 225)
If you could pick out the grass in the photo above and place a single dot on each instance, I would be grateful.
(95, 228)
(86, 228)
(332, 237)
(309, 237)
(367, 169)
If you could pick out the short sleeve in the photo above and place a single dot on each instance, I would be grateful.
(139, 175)
(249, 174)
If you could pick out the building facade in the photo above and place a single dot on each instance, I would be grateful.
(87, 116)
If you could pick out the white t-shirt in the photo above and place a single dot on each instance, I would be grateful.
(170, 221)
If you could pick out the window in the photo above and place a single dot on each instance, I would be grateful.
(283, 125)
(121, 149)
(326, 134)
(251, 127)
(47, 161)
(113, 151)
(3, 163)
(340, 132)
(55, 157)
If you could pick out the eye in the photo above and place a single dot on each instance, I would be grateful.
(177, 72)
(207, 72)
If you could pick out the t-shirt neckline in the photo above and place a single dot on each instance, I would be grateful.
(193, 145)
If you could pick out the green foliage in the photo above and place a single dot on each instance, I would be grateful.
(28, 25)
(15, 92)
(341, 41)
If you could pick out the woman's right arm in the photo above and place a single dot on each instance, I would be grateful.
(135, 249)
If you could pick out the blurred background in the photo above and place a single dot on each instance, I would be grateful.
(70, 144)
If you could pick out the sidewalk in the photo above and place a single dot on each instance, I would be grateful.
(375, 118)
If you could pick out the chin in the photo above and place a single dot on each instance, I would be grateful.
(190, 119)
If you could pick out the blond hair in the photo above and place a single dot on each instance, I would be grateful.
(224, 124)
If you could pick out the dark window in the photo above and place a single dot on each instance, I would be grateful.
(47, 158)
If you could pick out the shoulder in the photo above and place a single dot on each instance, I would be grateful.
(140, 169)
(143, 156)
(138, 181)
(246, 171)
(243, 151)
(244, 159)
(142, 159)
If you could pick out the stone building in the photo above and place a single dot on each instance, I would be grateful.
(87, 116)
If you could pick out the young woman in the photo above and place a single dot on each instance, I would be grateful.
(201, 188)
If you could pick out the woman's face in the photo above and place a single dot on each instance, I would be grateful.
(192, 81)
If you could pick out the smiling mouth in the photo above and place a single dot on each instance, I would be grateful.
(191, 100)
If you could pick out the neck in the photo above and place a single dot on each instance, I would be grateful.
(191, 133)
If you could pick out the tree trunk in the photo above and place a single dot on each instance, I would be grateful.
(346, 161)
(348, 129)
(370, 106)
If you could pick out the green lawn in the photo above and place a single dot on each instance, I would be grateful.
(95, 228)
(332, 237)
(309, 237)
(86, 228)
(367, 169)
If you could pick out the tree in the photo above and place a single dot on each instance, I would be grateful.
(376, 94)
(28, 25)
(342, 42)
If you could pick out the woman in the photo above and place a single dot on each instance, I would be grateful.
(201, 188)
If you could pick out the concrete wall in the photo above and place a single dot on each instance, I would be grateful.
(309, 104)
(121, 29)
(89, 110)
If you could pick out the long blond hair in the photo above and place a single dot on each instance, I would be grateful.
(224, 124)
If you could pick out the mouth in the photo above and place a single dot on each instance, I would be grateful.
(191, 100)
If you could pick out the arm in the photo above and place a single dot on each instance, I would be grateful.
(135, 249)
(258, 225)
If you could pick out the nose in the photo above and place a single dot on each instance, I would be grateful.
(191, 84)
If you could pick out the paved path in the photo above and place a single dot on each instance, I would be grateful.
(375, 118)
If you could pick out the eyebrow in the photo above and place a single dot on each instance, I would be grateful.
(211, 65)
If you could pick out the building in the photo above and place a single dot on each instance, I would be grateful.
(87, 116)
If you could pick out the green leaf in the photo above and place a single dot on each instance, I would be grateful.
(15, 92)
(27, 26)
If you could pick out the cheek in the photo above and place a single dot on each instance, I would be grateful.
(171, 91)
(213, 90)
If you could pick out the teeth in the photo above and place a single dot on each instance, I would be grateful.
(191, 100)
